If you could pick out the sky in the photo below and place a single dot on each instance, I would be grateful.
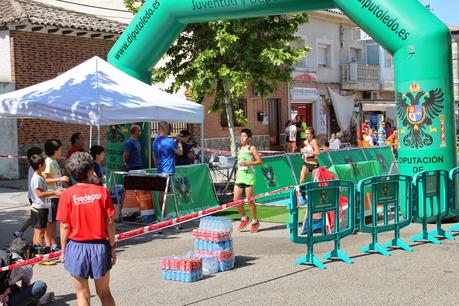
(446, 10)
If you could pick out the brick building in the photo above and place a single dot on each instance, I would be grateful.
(37, 43)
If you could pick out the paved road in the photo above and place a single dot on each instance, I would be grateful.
(265, 272)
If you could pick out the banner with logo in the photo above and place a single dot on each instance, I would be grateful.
(193, 189)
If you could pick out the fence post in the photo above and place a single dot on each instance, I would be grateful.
(453, 180)
(432, 187)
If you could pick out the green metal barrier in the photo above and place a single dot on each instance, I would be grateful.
(454, 198)
(193, 188)
(322, 198)
(275, 172)
(383, 155)
(431, 203)
(386, 196)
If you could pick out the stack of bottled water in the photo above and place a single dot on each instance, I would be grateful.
(182, 269)
(214, 243)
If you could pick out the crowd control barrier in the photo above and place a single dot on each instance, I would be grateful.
(385, 210)
(431, 203)
(454, 196)
(322, 198)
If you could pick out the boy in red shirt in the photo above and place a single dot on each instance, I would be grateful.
(87, 231)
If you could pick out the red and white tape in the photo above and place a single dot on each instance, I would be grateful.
(228, 153)
(154, 227)
(21, 157)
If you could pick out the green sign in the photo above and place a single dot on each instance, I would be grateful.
(324, 199)
(387, 193)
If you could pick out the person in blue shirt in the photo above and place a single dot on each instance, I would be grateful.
(98, 155)
(132, 150)
(165, 150)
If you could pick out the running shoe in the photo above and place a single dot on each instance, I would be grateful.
(47, 298)
(243, 224)
(255, 227)
(55, 248)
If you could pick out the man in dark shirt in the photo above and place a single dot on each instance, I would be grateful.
(132, 150)
(187, 157)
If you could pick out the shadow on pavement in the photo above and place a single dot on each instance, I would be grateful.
(64, 299)
(10, 221)
(250, 286)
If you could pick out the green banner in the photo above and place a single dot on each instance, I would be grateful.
(274, 173)
(193, 188)
(384, 157)
(117, 135)
(357, 171)
(346, 156)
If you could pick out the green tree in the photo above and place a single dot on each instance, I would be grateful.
(222, 58)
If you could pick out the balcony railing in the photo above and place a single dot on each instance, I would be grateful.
(354, 72)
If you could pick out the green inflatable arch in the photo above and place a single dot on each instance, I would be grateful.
(419, 41)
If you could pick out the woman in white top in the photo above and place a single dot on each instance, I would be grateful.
(369, 138)
(335, 143)
(292, 137)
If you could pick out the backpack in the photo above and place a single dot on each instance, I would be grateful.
(5, 260)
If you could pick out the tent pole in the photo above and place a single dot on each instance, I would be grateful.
(98, 135)
(202, 142)
(90, 135)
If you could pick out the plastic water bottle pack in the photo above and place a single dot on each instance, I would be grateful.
(216, 224)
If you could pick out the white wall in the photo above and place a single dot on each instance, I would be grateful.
(5, 57)
(111, 9)
(9, 139)
(336, 31)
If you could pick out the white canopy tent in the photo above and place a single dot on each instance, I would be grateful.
(96, 93)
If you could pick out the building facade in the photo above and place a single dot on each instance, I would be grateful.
(37, 43)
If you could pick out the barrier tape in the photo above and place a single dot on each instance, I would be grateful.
(228, 153)
(21, 157)
(154, 227)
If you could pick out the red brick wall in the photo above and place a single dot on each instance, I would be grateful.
(38, 57)
(214, 129)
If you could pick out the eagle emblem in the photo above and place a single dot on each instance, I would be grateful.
(416, 110)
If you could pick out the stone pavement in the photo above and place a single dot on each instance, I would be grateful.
(265, 272)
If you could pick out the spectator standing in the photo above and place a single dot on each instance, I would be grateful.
(165, 151)
(292, 137)
(87, 232)
(363, 130)
(77, 142)
(132, 150)
(335, 142)
(98, 155)
(54, 180)
(369, 139)
(299, 129)
(287, 138)
(389, 129)
(304, 127)
(187, 157)
(382, 136)
(41, 204)
(32, 151)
